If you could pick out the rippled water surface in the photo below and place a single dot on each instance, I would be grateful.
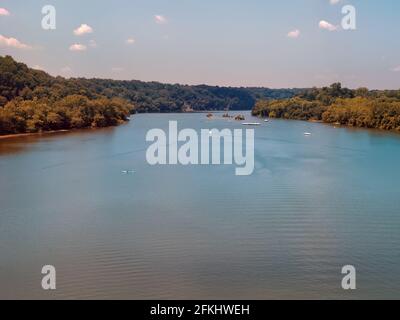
(312, 205)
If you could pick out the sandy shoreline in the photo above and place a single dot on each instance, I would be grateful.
(17, 135)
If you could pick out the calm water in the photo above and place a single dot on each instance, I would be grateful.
(313, 205)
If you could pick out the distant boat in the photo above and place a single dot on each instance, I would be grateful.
(307, 133)
(251, 123)
(266, 120)
(128, 171)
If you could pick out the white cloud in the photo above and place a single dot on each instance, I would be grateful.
(294, 34)
(130, 41)
(396, 69)
(327, 26)
(78, 47)
(83, 29)
(4, 12)
(333, 2)
(160, 19)
(12, 42)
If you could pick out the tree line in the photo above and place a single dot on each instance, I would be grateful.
(32, 100)
(71, 112)
(359, 108)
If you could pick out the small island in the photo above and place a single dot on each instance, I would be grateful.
(240, 117)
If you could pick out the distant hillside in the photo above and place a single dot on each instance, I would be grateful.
(19, 81)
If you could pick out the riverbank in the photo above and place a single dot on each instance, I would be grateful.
(348, 126)
(339, 125)
(370, 109)
(17, 135)
(28, 134)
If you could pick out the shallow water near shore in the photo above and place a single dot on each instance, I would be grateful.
(115, 227)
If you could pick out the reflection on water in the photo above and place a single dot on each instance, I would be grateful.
(313, 205)
(18, 143)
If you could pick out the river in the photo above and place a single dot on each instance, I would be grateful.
(88, 203)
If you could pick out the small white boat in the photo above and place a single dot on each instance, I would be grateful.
(307, 133)
(251, 123)
(128, 171)
(266, 120)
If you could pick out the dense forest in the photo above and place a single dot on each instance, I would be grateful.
(337, 105)
(33, 101)
(71, 112)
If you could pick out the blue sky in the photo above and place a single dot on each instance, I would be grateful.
(217, 42)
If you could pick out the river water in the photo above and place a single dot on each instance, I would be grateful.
(88, 203)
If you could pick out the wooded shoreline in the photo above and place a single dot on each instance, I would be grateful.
(359, 108)
(32, 101)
